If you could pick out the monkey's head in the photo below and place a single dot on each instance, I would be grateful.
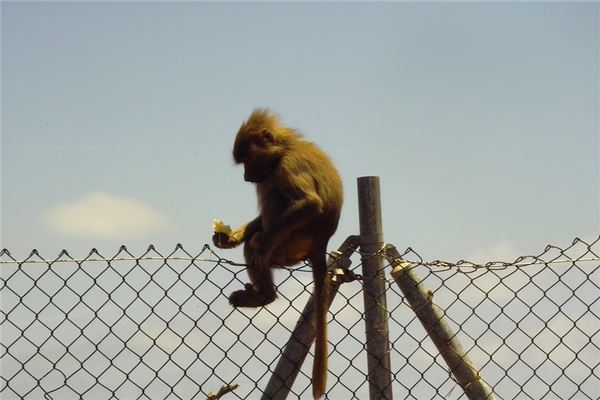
(260, 143)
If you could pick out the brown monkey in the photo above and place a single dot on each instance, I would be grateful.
(300, 199)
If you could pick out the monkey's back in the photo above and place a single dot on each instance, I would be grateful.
(326, 180)
(304, 168)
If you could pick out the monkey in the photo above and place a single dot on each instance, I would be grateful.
(300, 198)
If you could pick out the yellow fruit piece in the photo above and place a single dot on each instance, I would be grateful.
(220, 227)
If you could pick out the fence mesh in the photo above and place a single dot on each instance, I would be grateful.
(158, 326)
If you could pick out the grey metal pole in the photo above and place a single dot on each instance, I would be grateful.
(374, 285)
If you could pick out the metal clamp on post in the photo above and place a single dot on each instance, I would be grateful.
(396, 261)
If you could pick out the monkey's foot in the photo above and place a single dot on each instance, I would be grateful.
(250, 297)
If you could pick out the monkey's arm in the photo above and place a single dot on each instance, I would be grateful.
(239, 235)
(303, 209)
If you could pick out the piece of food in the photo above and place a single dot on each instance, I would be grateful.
(220, 227)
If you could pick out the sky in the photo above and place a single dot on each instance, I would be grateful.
(481, 119)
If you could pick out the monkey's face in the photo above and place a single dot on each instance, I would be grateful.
(256, 171)
(258, 152)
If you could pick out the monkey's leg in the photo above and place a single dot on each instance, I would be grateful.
(261, 290)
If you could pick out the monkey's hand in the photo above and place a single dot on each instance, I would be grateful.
(223, 237)
(224, 240)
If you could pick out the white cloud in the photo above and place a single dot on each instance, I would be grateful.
(105, 216)
(501, 251)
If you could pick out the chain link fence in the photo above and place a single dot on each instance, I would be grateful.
(158, 326)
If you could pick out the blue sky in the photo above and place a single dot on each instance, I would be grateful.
(480, 118)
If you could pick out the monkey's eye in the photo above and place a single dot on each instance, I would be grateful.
(266, 136)
(259, 142)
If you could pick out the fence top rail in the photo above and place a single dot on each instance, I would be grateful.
(410, 255)
(435, 263)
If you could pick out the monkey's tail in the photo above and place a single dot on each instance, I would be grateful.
(321, 299)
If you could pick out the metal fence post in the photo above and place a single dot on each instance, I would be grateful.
(374, 288)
